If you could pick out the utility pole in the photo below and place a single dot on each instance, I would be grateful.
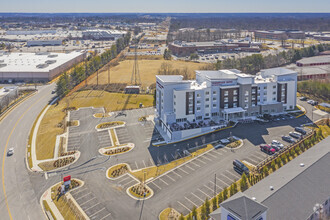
(97, 78)
(215, 184)
(109, 74)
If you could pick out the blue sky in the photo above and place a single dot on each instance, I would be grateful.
(149, 6)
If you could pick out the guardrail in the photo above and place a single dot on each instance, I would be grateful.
(283, 151)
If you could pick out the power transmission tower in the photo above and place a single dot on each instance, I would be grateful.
(135, 78)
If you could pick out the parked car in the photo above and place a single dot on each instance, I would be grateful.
(303, 99)
(300, 130)
(310, 101)
(276, 147)
(10, 151)
(240, 167)
(295, 135)
(288, 139)
(275, 142)
(267, 149)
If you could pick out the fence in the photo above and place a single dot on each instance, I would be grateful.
(283, 151)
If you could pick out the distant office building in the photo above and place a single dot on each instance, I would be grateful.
(181, 48)
(279, 35)
(222, 95)
(322, 37)
(36, 66)
(32, 43)
(98, 34)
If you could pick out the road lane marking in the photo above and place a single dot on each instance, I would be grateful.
(152, 162)
(215, 185)
(92, 206)
(234, 174)
(184, 206)
(144, 164)
(124, 185)
(136, 165)
(217, 153)
(195, 164)
(208, 188)
(191, 201)
(210, 154)
(5, 150)
(83, 196)
(206, 157)
(125, 178)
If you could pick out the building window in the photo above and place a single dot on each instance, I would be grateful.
(174, 110)
(274, 99)
(207, 92)
(246, 99)
(214, 98)
(253, 104)
(214, 105)
(274, 93)
(207, 99)
(174, 96)
(265, 93)
(258, 88)
(246, 105)
(235, 98)
(274, 87)
(207, 114)
(214, 92)
(234, 105)
(226, 93)
(174, 103)
(235, 92)
(206, 106)
(226, 99)
(246, 93)
(199, 118)
(198, 108)
(198, 102)
(253, 91)
(226, 105)
(198, 95)
(265, 87)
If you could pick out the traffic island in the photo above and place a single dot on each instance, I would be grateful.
(59, 163)
(140, 191)
(110, 125)
(58, 203)
(169, 213)
(103, 115)
(109, 151)
(117, 170)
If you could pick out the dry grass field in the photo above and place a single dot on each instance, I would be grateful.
(148, 70)
(53, 122)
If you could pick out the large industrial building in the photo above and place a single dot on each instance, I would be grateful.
(187, 107)
(279, 34)
(99, 34)
(36, 66)
(181, 48)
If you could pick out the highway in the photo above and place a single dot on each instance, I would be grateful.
(18, 198)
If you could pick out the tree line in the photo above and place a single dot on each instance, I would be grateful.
(254, 63)
(68, 81)
(317, 88)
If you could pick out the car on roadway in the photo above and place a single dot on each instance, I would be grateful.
(288, 139)
(267, 149)
(10, 151)
(54, 91)
(300, 130)
(295, 135)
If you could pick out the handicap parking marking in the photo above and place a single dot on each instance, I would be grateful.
(191, 201)
(183, 170)
(184, 206)
(197, 197)
(156, 185)
(97, 212)
(163, 181)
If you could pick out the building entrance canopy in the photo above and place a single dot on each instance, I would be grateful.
(230, 111)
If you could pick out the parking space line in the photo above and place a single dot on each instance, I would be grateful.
(203, 193)
(223, 150)
(226, 184)
(206, 158)
(97, 212)
(84, 195)
(183, 170)
(189, 167)
(197, 197)
(184, 206)
(259, 153)
(163, 181)
(177, 174)
(92, 206)
(129, 182)
(215, 185)
(200, 160)
(195, 164)
(125, 178)
(136, 165)
(217, 152)
(152, 162)
(144, 164)
(191, 201)
(156, 185)
(210, 154)
(234, 174)
(227, 177)
(105, 216)
(79, 191)
(253, 160)
(87, 201)
(208, 188)
(170, 178)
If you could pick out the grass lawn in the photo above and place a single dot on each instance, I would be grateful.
(45, 203)
(50, 124)
(148, 70)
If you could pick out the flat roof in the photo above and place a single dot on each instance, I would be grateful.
(34, 62)
(296, 188)
(233, 110)
(278, 71)
(217, 74)
(310, 70)
(170, 78)
(316, 59)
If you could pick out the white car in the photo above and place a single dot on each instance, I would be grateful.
(10, 151)
(277, 143)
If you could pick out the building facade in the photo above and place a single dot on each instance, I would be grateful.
(222, 95)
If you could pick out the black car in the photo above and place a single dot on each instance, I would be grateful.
(288, 139)
(303, 99)
(295, 135)
(300, 130)
(240, 167)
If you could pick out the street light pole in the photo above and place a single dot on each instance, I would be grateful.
(215, 184)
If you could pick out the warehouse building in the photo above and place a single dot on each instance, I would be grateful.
(181, 48)
(32, 43)
(314, 61)
(187, 107)
(98, 34)
(279, 34)
(45, 66)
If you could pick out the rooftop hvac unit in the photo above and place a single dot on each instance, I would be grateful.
(3, 65)
(42, 66)
(52, 55)
(50, 61)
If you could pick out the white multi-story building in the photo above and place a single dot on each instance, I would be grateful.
(221, 95)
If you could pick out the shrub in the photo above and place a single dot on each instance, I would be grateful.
(283, 158)
(214, 203)
(194, 212)
(220, 197)
(225, 194)
(265, 171)
(273, 165)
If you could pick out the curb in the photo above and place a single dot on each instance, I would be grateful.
(116, 147)
(140, 199)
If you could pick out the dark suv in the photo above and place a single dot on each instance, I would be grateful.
(288, 139)
(300, 130)
(267, 149)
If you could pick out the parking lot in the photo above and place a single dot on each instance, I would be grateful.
(90, 204)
